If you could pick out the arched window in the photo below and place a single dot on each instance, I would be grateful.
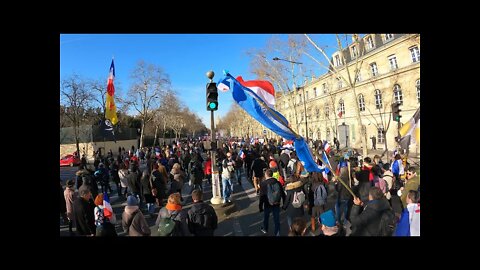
(327, 110)
(378, 99)
(341, 106)
(361, 102)
(317, 112)
(418, 90)
(397, 93)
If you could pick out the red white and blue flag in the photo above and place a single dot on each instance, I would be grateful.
(327, 147)
(107, 207)
(242, 154)
(264, 89)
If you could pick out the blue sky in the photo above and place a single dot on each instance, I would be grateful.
(184, 57)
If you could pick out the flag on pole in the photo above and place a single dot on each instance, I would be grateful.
(263, 89)
(340, 114)
(412, 127)
(107, 207)
(107, 129)
(110, 108)
(257, 108)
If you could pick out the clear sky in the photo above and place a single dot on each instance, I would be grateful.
(184, 57)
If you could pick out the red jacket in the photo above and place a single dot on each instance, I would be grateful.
(208, 167)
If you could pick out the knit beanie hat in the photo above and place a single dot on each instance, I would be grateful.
(132, 201)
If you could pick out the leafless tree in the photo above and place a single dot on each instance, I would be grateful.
(150, 84)
(349, 77)
(75, 97)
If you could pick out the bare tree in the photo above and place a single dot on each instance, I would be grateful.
(75, 97)
(281, 73)
(150, 84)
(349, 77)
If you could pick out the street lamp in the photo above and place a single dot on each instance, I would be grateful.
(303, 88)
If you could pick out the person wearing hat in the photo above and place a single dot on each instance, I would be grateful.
(133, 221)
(70, 196)
(329, 225)
(83, 212)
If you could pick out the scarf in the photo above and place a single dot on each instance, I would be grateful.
(173, 207)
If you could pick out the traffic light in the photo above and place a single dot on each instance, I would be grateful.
(212, 97)
(396, 111)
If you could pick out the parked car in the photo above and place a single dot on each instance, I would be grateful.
(70, 160)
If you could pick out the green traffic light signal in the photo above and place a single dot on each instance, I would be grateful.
(212, 105)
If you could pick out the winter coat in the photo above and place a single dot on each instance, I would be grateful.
(70, 196)
(202, 219)
(388, 177)
(145, 184)
(257, 167)
(366, 221)
(291, 188)
(332, 196)
(84, 216)
(263, 202)
(122, 174)
(181, 216)
(63, 207)
(133, 183)
(363, 185)
(134, 223)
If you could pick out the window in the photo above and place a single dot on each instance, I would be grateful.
(418, 90)
(318, 134)
(324, 86)
(327, 111)
(328, 134)
(380, 135)
(397, 93)
(337, 60)
(315, 92)
(378, 99)
(369, 42)
(393, 62)
(299, 98)
(354, 51)
(358, 78)
(306, 95)
(339, 83)
(361, 103)
(388, 37)
(317, 112)
(374, 69)
(415, 52)
(341, 107)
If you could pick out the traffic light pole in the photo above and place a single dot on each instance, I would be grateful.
(216, 192)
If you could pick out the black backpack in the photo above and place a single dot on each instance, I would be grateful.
(388, 223)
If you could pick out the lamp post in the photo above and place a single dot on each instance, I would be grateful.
(303, 89)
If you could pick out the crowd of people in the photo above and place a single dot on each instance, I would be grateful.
(385, 199)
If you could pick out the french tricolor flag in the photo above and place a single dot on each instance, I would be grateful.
(241, 154)
(107, 207)
(327, 147)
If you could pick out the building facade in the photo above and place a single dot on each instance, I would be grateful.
(385, 68)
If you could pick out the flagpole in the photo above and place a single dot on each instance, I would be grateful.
(335, 177)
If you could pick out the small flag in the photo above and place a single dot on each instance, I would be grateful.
(107, 207)
(242, 154)
(340, 114)
(327, 147)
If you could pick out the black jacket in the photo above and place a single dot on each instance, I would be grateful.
(257, 167)
(263, 202)
(84, 216)
(202, 219)
(366, 222)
